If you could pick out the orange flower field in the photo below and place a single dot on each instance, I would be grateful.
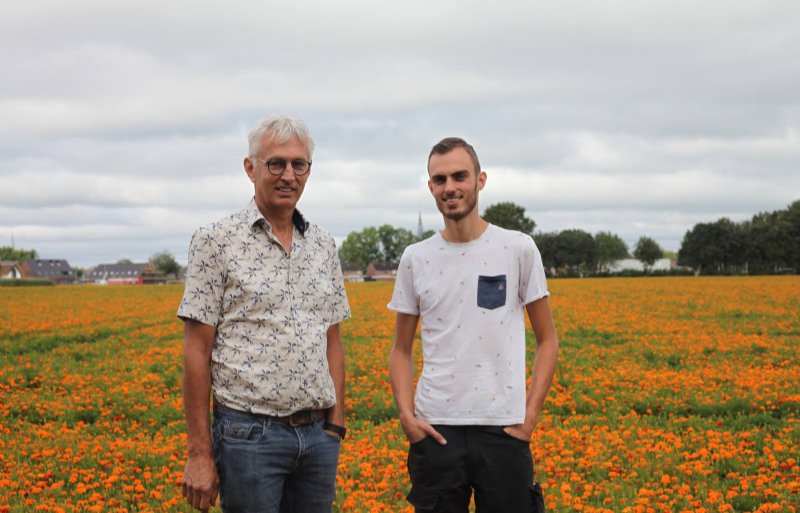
(671, 395)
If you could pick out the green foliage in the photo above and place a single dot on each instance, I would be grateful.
(571, 252)
(165, 263)
(382, 244)
(393, 241)
(610, 248)
(24, 282)
(647, 251)
(510, 216)
(17, 255)
(712, 245)
(768, 243)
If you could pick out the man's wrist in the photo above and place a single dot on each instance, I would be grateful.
(334, 428)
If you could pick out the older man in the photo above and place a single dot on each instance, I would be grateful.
(262, 305)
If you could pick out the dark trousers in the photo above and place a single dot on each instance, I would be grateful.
(483, 459)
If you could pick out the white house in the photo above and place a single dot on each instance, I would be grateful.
(631, 264)
(9, 270)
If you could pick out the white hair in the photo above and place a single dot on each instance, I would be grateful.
(281, 129)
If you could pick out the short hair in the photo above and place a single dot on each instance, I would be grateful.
(281, 128)
(449, 144)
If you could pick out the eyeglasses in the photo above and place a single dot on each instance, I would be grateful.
(276, 167)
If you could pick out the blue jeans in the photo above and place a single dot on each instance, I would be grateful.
(268, 466)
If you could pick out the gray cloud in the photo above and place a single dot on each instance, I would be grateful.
(125, 124)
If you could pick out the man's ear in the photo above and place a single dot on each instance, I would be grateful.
(249, 169)
(481, 180)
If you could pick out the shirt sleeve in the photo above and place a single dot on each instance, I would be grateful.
(532, 280)
(202, 295)
(340, 308)
(404, 297)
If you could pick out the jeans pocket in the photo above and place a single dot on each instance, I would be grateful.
(242, 431)
(331, 435)
(492, 291)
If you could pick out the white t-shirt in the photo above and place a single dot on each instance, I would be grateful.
(471, 300)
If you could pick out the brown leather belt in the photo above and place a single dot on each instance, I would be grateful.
(302, 417)
(298, 418)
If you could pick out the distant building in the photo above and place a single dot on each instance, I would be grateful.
(124, 274)
(631, 264)
(381, 271)
(352, 272)
(9, 270)
(58, 271)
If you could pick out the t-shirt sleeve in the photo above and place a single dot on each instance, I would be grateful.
(404, 297)
(339, 308)
(532, 281)
(202, 295)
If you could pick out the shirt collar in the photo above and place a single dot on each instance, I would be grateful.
(254, 216)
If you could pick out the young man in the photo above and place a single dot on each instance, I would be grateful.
(263, 301)
(471, 420)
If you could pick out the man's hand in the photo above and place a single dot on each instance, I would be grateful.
(520, 431)
(200, 482)
(416, 429)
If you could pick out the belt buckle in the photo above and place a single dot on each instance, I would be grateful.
(294, 423)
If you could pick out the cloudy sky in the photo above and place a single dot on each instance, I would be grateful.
(124, 123)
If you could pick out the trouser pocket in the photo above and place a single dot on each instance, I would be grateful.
(537, 497)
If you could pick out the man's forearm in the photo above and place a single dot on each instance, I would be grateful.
(198, 343)
(336, 367)
(401, 364)
(543, 370)
(544, 364)
(196, 398)
(401, 376)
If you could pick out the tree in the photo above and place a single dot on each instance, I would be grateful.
(165, 263)
(569, 251)
(791, 221)
(509, 215)
(383, 244)
(394, 241)
(715, 247)
(547, 242)
(578, 251)
(610, 248)
(17, 255)
(647, 251)
(124, 261)
(362, 247)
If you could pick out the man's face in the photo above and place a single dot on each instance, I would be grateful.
(283, 191)
(454, 183)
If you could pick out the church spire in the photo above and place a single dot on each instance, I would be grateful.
(420, 231)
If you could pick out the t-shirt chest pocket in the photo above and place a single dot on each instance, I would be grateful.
(492, 291)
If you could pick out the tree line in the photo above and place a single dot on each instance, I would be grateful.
(769, 243)
(570, 252)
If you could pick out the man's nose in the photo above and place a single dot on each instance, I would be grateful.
(288, 173)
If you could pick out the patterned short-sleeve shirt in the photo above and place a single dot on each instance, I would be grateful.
(271, 309)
